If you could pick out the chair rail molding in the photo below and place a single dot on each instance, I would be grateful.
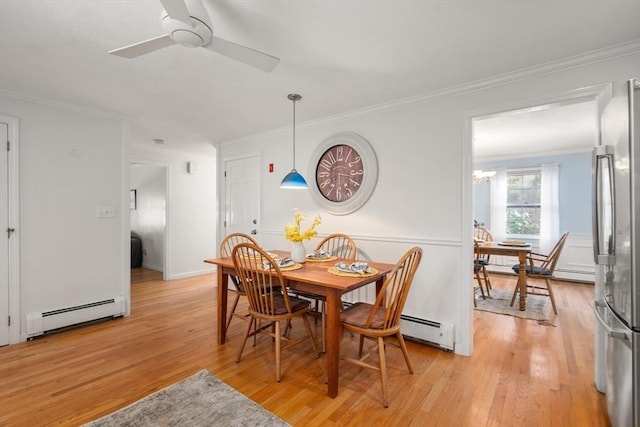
(425, 241)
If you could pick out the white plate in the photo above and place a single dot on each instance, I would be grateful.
(285, 263)
(356, 267)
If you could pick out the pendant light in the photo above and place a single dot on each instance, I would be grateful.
(294, 179)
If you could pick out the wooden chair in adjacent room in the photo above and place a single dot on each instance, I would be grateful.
(480, 273)
(226, 248)
(380, 321)
(482, 234)
(338, 245)
(541, 266)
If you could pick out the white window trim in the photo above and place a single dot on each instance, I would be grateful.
(549, 203)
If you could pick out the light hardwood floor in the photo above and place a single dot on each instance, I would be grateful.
(522, 372)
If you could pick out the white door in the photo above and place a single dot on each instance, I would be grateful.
(242, 196)
(4, 240)
(6, 231)
(9, 232)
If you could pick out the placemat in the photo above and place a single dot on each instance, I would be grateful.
(329, 258)
(514, 244)
(257, 255)
(294, 266)
(335, 271)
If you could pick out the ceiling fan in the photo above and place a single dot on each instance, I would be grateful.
(192, 28)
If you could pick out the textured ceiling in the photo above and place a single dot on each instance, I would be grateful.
(340, 55)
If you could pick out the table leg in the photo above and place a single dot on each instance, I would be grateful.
(379, 284)
(333, 342)
(223, 283)
(522, 280)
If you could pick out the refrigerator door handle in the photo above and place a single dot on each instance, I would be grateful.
(602, 177)
(613, 333)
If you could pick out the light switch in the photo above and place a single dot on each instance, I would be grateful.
(106, 212)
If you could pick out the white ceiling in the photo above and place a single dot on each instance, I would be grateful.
(542, 130)
(340, 55)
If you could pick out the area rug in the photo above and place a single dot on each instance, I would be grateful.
(200, 400)
(537, 308)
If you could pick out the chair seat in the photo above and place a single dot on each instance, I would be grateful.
(477, 267)
(536, 270)
(297, 304)
(358, 314)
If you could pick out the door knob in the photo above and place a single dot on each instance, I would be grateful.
(254, 231)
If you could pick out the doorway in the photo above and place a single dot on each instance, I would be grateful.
(600, 93)
(148, 213)
(525, 140)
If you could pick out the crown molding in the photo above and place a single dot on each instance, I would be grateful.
(576, 61)
(65, 106)
(550, 153)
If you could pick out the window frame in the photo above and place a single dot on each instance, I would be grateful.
(523, 171)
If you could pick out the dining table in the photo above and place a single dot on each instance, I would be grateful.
(520, 250)
(314, 276)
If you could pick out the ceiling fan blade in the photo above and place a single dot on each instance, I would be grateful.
(177, 9)
(252, 57)
(144, 47)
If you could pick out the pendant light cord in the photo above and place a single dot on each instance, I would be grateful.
(294, 97)
(294, 133)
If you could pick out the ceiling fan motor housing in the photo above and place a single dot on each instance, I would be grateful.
(190, 36)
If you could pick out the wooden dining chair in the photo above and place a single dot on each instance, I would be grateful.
(341, 246)
(540, 266)
(226, 248)
(380, 321)
(269, 303)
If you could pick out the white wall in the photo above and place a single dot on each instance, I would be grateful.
(71, 163)
(191, 208)
(423, 196)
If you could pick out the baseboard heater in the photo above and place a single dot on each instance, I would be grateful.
(434, 333)
(40, 323)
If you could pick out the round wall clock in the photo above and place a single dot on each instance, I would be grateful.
(344, 169)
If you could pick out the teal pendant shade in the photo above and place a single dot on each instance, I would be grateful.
(293, 180)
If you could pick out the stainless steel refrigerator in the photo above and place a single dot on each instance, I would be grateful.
(616, 216)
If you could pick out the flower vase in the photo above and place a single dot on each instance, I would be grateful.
(298, 252)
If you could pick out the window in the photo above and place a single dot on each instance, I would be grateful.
(523, 202)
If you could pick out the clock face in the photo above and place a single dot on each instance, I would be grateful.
(339, 173)
(345, 169)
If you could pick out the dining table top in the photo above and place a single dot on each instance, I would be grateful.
(501, 248)
(317, 272)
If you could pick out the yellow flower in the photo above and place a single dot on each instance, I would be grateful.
(293, 233)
